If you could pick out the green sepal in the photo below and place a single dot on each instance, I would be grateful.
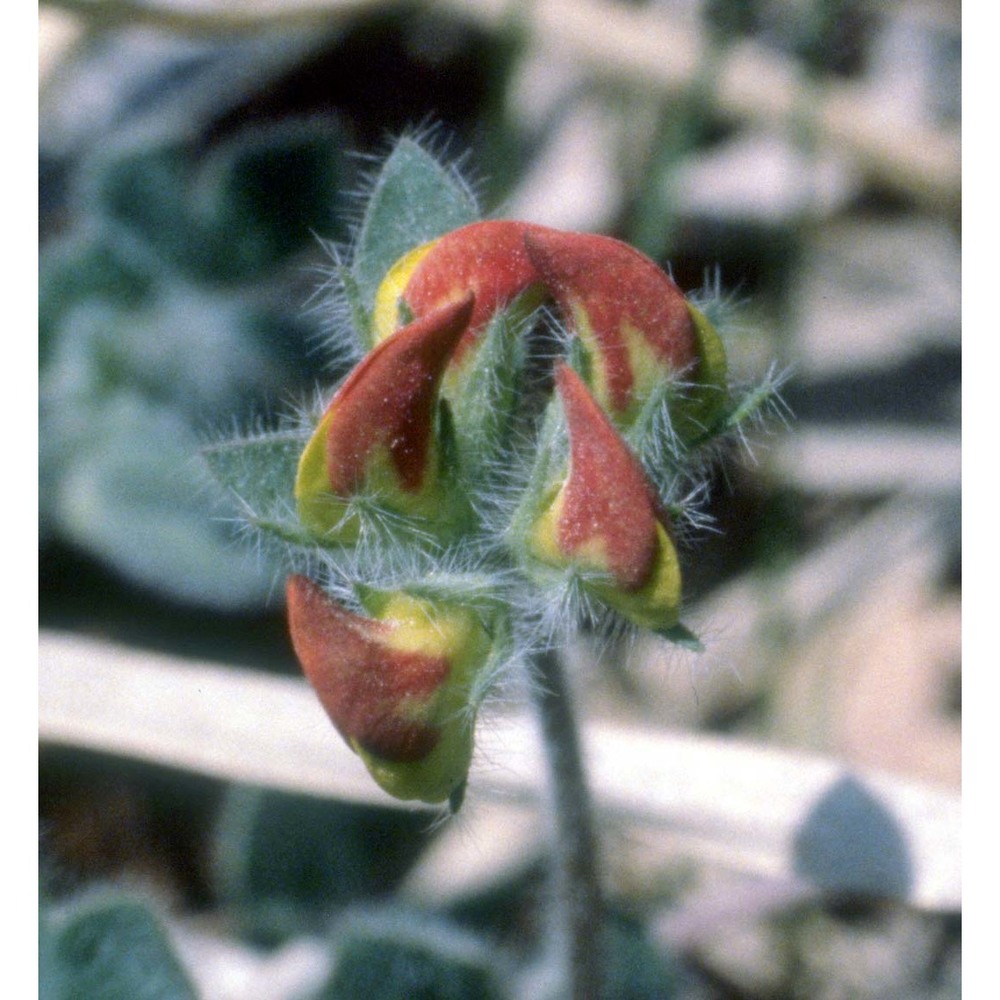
(708, 396)
(414, 199)
(357, 311)
(681, 414)
(373, 600)
(484, 394)
(477, 591)
(754, 403)
(449, 459)
(260, 471)
(406, 314)
(457, 797)
(547, 472)
(579, 359)
(681, 635)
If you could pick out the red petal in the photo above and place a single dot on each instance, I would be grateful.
(615, 285)
(607, 498)
(487, 258)
(365, 685)
(389, 400)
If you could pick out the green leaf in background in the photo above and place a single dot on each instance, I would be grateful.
(279, 188)
(235, 214)
(135, 497)
(152, 335)
(284, 863)
(187, 347)
(124, 398)
(396, 954)
(413, 199)
(635, 969)
(88, 267)
(260, 471)
(109, 948)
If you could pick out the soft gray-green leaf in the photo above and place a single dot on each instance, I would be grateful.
(260, 470)
(112, 949)
(414, 199)
(136, 498)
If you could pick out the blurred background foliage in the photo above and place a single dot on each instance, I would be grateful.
(198, 160)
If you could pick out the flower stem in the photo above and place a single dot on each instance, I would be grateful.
(577, 886)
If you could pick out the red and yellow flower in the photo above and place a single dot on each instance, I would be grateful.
(398, 681)
(605, 520)
(636, 324)
(378, 435)
(488, 258)
(397, 685)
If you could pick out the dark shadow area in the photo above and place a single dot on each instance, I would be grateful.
(922, 390)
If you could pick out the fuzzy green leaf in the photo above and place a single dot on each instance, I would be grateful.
(260, 470)
(414, 199)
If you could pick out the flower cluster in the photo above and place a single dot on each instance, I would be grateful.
(464, 499)
(398, 682)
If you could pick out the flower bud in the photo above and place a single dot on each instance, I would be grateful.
(634, 321)
(605, 519)
(397, 685)
(378, 433)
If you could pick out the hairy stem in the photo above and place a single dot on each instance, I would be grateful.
(577, 886)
